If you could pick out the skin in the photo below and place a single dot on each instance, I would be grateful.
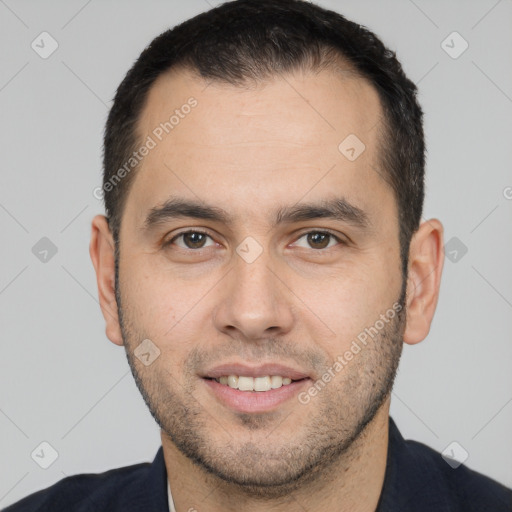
(301, 302)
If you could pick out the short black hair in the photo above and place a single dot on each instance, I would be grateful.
(251, 40)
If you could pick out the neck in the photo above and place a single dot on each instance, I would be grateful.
(352, 483)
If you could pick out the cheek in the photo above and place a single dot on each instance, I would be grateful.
(166, 307)
(345, 307)
(342, 305)
(149, 299)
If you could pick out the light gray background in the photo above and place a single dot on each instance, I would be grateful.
(63, 382)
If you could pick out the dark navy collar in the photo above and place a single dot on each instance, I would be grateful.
(416, 479)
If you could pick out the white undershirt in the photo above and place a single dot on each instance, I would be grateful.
(169, 496)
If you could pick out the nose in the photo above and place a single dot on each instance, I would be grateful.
(255, 302)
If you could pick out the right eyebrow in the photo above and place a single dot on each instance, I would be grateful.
(181, 208)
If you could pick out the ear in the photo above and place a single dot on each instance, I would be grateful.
(101, 250)
(426, 257)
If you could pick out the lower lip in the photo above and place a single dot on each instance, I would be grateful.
(255, 401)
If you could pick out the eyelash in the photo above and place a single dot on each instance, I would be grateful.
(316, 231)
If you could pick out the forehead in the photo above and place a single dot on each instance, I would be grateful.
(314, 107)
(250, 147)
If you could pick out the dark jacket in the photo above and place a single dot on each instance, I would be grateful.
(417, 480)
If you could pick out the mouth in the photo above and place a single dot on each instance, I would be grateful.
(254, 389)
(258, 384)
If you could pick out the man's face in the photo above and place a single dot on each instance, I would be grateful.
(256, 291)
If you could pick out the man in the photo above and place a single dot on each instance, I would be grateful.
(262, 261)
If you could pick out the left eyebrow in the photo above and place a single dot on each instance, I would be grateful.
(337, 209)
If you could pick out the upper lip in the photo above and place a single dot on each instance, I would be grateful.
(254, 371)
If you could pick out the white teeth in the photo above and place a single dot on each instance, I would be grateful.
(262, 383)
(254, 383)
(245, 383)
(276, 381)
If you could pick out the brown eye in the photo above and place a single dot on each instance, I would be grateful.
(190, 240)
(319, 240)
(194, 240)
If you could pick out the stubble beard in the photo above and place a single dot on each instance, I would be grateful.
(341, 413)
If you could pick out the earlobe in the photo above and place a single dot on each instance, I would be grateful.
(426, 259)
(101, 250)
